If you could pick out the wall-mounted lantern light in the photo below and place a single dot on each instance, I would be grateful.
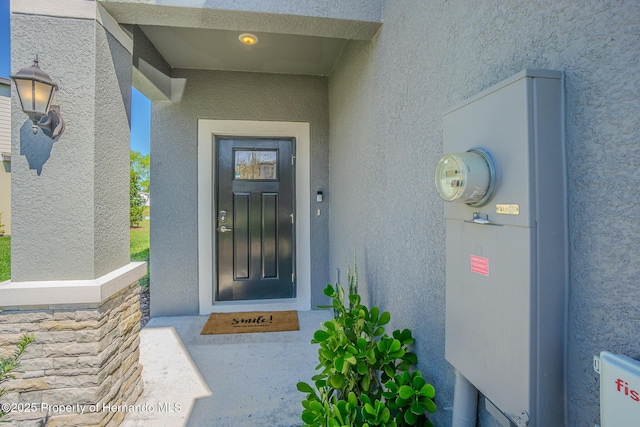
(35, 91)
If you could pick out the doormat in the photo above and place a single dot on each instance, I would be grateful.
(255, 321)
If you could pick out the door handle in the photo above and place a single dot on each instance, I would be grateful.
(224, 229)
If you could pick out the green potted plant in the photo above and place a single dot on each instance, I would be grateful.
(365, 375)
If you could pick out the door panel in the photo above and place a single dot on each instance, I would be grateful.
(241, 237)
(269, 235)
(255, 237)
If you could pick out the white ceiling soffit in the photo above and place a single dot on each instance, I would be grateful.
(221, 50)
(295, 36)
(343, 19)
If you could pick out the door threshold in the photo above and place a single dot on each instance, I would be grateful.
(259, 305)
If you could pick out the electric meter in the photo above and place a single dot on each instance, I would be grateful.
(466, 177)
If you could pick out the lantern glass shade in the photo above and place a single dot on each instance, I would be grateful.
(35, 91)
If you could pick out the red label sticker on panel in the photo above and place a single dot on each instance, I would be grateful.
(480, 265)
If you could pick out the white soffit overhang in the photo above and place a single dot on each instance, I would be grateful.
(198, 48)
(295, 37)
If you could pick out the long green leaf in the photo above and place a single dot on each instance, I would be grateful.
(337, 380)
(431, 407)
(410, 418)
(329, 291)
(389, 370)
(406, 392)
(330, 325)
(321, 336)
(304, 387)
(362, 343)
(397, 354)
(410, 357)
(366, 382)
(405, 337)
(395, 346)
(353, 400)
(365, 399)
(418, 382)
(386, 415)
(384, 318)
(371, 357)
(308, 417)
(416, 408)
(375, 313)
(362, 368)
(391, 385)
(316, 406)
(369, 409)
(327, 354)
(428, 390)
(404, 366)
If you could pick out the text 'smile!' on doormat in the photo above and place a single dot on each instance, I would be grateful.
(255, 321)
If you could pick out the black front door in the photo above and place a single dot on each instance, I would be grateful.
(255, 218)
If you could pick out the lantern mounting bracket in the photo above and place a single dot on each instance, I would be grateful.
(52, 124)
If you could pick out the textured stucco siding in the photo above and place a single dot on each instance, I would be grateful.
(5, 119)
(386, 100)
(112, 158)
(45, 172)
(174, 197)
(5, 196)
(69, 196)
(5, 166)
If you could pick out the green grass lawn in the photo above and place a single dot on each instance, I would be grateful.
(139, 249)
(5, 258)
(139, 245)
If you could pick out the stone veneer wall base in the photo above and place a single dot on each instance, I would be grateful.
(83, 367)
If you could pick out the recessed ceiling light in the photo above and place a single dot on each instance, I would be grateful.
(248, 39)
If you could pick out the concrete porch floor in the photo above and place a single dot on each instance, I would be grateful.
(239, 380)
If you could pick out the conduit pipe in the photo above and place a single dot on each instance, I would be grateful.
(465, 402)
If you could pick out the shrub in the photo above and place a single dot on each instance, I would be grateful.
(136, 203)
(366, 377)
(10, 364)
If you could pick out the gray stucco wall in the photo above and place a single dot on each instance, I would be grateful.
(77, 185)
(111, 153)
(386, 101)
(174, 197)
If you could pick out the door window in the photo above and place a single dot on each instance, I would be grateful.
(256, 165)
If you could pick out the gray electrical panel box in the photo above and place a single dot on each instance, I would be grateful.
(506, 238)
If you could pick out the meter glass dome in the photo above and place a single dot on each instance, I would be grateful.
(448, 178)
(466, 177)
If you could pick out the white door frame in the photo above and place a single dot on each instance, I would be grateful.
(207, 131)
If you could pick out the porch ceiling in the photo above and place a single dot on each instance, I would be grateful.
(295, 36)
(215, 49)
